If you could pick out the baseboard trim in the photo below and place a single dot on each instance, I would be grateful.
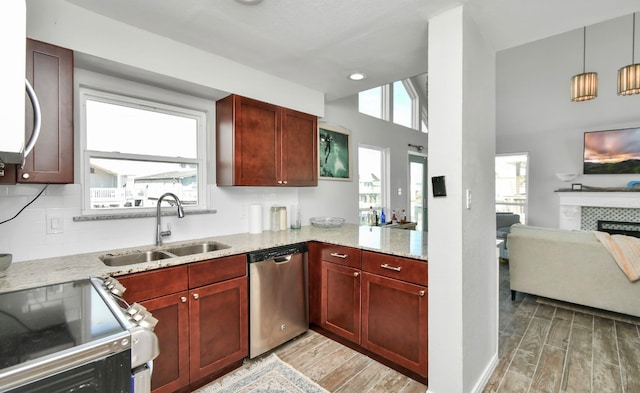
(486, 375)
(484, 378)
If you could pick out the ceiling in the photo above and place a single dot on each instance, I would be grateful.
(318, 43)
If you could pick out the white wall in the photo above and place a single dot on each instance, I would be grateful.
(340, 198)
(67, 25)
(463, 287)
(535, 113)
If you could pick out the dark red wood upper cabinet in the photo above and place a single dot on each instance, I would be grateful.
(260, 144)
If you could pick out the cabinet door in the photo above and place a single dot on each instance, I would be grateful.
(171, 367)
(50, 71)
(299, 148)
(249, 137)
(394, 321)
(340, 301)
(219, 334)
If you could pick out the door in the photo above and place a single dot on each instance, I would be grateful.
(219, 334)
(418, 191)
(340, 301)
(394, 321)
(171, 367)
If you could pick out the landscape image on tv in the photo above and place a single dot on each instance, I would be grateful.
(612, 152)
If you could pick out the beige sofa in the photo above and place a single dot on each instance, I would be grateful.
(572, 266)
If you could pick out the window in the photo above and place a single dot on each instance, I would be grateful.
(135, 150)
(371, 178)
(370, 102)
(511, 184)
(398, 102)
(403, 105)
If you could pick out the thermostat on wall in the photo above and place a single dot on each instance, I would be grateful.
(439, 188)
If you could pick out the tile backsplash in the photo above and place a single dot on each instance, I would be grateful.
(27, 237)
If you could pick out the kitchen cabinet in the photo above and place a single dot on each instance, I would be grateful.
(202, 309)
(378, 302)
(394, 310)
(50, 72)
(340, 292)
(260, 144)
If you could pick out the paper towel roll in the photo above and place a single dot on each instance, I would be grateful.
(255, 219)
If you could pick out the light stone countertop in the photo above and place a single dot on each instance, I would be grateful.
(40, 272)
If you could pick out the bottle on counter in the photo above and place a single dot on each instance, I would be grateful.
(394, 219)
(371, 220)
(404, 216)
(383, 218)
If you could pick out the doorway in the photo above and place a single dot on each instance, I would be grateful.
(418, 191)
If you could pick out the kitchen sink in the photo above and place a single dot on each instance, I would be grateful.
(156, 255)
(197, 248)
(130, 259)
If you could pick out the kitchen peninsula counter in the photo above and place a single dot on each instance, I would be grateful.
(35, 273)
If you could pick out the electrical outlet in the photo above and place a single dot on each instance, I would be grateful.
(54, 224)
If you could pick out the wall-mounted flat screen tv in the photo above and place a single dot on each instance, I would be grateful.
(612, 152)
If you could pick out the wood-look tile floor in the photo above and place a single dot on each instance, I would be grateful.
(541, 349)
(549, 349)
(338, 368)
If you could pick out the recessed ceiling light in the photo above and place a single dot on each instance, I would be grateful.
(357, 76)
(249, 2)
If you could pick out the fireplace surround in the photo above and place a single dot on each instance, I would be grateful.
(580, 210)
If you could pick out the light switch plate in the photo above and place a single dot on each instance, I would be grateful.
(54, 224)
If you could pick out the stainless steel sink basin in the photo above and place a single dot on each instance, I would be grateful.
(156, 255)
(197, 248)
(130, 259)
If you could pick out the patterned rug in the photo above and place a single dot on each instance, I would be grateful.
(269, 375)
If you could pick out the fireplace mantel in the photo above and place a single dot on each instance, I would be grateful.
(571, 203)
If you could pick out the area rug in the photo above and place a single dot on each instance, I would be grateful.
(269, 375)
(589, 310)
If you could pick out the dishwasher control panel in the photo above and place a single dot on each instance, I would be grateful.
(276, 252)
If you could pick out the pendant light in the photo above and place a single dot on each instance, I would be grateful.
(584, 86)
(629, 76)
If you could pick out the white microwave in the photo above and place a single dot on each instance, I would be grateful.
(13, 27)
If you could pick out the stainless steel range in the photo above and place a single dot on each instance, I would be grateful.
(75, 336)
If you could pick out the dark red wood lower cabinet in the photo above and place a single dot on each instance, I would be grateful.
(394, 321)
(340, 301)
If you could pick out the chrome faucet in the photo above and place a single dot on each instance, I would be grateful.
(159, 231)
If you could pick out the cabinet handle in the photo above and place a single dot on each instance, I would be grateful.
(421, 293)
(285, 182)
(25, 176)
(389, 267)
(356, 274)
(196, 296)
(183, 299)
(279, 181)
(335, 254)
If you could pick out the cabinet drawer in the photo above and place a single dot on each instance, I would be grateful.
(405, 269)
(346, 256)
(155, 283)
(216, 270)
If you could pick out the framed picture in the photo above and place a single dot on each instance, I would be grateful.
(612, 152)
(334, 152)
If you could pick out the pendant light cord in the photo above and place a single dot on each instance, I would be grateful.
(584, 49)
(633, 41)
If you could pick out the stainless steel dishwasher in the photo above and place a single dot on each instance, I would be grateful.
(278, 305)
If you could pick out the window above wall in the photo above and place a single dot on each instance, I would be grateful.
(402, 102)
(134, 150)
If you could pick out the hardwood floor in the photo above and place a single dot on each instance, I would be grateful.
(549, 349)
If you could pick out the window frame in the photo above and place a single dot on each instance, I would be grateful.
(418, 111)
(384, 173)
(524, 206)
(124, 99)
